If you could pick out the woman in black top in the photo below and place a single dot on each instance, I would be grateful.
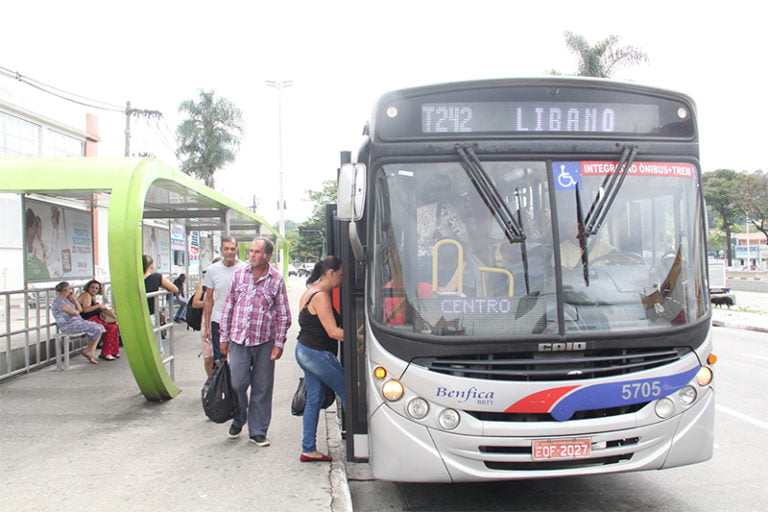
(153, 281)
(317, 347)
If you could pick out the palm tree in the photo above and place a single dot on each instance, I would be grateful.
(210, 136)
(601, 59)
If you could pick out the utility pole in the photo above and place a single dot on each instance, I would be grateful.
(135, 112)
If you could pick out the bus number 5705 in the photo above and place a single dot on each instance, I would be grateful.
(637, 390)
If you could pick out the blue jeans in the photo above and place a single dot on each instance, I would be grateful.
(251, 367)
(321, 369)
(181, 313)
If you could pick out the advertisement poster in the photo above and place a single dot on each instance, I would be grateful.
(58, 242)
(194, 252)
(157, 244)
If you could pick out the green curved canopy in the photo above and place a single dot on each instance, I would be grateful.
(134, 190)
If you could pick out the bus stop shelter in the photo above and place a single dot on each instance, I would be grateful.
(132, 191)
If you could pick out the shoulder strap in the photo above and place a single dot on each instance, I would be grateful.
(309, 300)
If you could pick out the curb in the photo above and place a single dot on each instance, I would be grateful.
(731, 325)
(341, 498)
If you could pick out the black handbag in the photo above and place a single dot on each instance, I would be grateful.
(219, 398)
(299, 400)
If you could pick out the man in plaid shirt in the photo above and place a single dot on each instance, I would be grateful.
(253, 328)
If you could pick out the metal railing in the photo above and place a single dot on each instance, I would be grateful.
(28, 330)
(162, 325)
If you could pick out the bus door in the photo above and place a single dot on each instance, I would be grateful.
(354, 419)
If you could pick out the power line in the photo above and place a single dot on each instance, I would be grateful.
(160, 135)
(91, 103)
(129, 112)
(60, 93)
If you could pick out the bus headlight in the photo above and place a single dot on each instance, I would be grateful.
(686, 395)
(418, 408)
(392, 390)
(664, 408)
(704, 376)
(449, 419)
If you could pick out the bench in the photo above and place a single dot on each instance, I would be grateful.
(63, 343)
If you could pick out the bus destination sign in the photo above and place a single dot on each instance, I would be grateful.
(524, 117)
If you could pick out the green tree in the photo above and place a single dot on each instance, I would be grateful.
(210, 136)
(722, 192)
(753, 199)
(310, 244)
(602, 58)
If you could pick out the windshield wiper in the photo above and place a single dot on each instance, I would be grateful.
(493, 200)
(512, 227)
(582, 236)
(602, 203)
(607, 192)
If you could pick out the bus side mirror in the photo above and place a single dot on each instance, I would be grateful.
(351, 192)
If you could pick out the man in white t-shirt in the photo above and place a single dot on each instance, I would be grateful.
(217, 278)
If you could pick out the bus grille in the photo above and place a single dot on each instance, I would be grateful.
(538, 417)
(559, 464)
(548, 366)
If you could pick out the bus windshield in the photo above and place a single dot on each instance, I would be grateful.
(569, 250)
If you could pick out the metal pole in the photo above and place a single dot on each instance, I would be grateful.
(749, 254)
(281, 206)
(127, 128)
(281, 201)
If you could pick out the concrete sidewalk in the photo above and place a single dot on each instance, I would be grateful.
(750, 312)
(87, 439)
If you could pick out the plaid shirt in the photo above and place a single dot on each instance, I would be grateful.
(255, 311)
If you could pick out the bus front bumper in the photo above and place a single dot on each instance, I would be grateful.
(406, 451)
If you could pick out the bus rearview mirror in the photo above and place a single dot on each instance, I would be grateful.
(351, 192)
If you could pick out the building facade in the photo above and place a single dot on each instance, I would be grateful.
(750, 250)
(24, 133)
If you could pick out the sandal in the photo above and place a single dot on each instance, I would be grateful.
(90, 358)
(107, 358)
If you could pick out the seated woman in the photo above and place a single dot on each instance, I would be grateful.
(110, 346)
(66, 310)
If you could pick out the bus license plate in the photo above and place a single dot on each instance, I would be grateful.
(562, 448)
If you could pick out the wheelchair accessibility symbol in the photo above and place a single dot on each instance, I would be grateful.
(567, 175)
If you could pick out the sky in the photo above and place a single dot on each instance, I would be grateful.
(342, 55)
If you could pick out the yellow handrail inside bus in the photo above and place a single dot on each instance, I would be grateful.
(510, 278)
(460, 266)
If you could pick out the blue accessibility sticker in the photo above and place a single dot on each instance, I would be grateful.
(567, 175)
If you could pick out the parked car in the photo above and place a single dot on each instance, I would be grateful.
(305, 269)
(292, 271)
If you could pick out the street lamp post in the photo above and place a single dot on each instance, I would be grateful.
(280, 85)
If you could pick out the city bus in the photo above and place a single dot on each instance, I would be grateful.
(525, 285)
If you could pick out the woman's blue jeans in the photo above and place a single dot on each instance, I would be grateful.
(321, 369)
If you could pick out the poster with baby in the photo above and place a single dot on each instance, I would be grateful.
(58, 242)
